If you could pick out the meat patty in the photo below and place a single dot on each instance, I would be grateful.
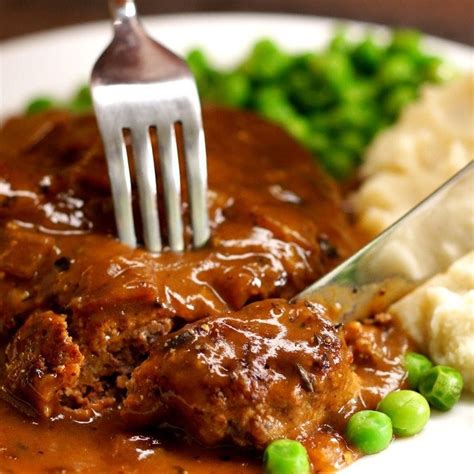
(272, 370)
(277, 224)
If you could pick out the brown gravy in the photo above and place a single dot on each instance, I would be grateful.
(82, 312)
(31, 445)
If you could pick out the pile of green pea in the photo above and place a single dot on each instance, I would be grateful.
(333, 101)
(402, 413)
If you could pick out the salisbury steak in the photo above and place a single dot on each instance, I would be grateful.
(269, 371)
(277, 225)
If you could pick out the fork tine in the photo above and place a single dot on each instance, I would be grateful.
(171, 185)
(196, 170)
(138, 82)
(119, 174)
(146, 181)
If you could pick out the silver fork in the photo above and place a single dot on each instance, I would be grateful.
(137, 84)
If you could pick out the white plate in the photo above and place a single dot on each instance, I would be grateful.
(57, 62)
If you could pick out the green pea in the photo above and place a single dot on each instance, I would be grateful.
(272, 103)
(285, 456)
(358, 93)
(416, 365)
(347, 116)
(367, 55)
(352, 141)
(298, 80)
(378, 126)
(442, 387)
(397, 99)
(232, 89)
(397, 69)
(339, 41)
(266, 61)
(369, 431)
(301, 61)
(198, 63)
(305, 94)
(338, 162)
(294, 124)
(317, 142)
(82, 100)
(40, 104)
(334, 68)
(297, 127)
(406, 41)
(316, 98)
(319, 122)
(408, 410)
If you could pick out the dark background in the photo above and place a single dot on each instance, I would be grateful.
(453, 19)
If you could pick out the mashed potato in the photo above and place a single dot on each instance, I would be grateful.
(433, 139)
(439, 316)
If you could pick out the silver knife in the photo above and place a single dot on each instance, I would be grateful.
(424, 242)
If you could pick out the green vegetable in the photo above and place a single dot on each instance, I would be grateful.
(359, 93)
(302, 92)
(367, 56)
(339, 41)
(205, 75)
(198, 63)
(346, 116)
(318, 142)
(397, 69)
(416, 365)
(40, 104)
(338, 162)
(232, 89)
(272, 104)
(334, 69)
(406, 41)
(266, 61)
(352, 141)
(398, 99)
(82, 101)
(319, 123)
(442, 387)
(369, 431)
(285, 456)
(408, 410)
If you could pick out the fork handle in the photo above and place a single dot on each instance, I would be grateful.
(122, 10)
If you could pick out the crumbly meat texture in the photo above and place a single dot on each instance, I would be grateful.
(270, 371)
(277, 225)
(43, 362)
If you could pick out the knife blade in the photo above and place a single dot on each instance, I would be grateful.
(422, 243)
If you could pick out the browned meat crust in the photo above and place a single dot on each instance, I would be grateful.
(269, 371)
(277, 224)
